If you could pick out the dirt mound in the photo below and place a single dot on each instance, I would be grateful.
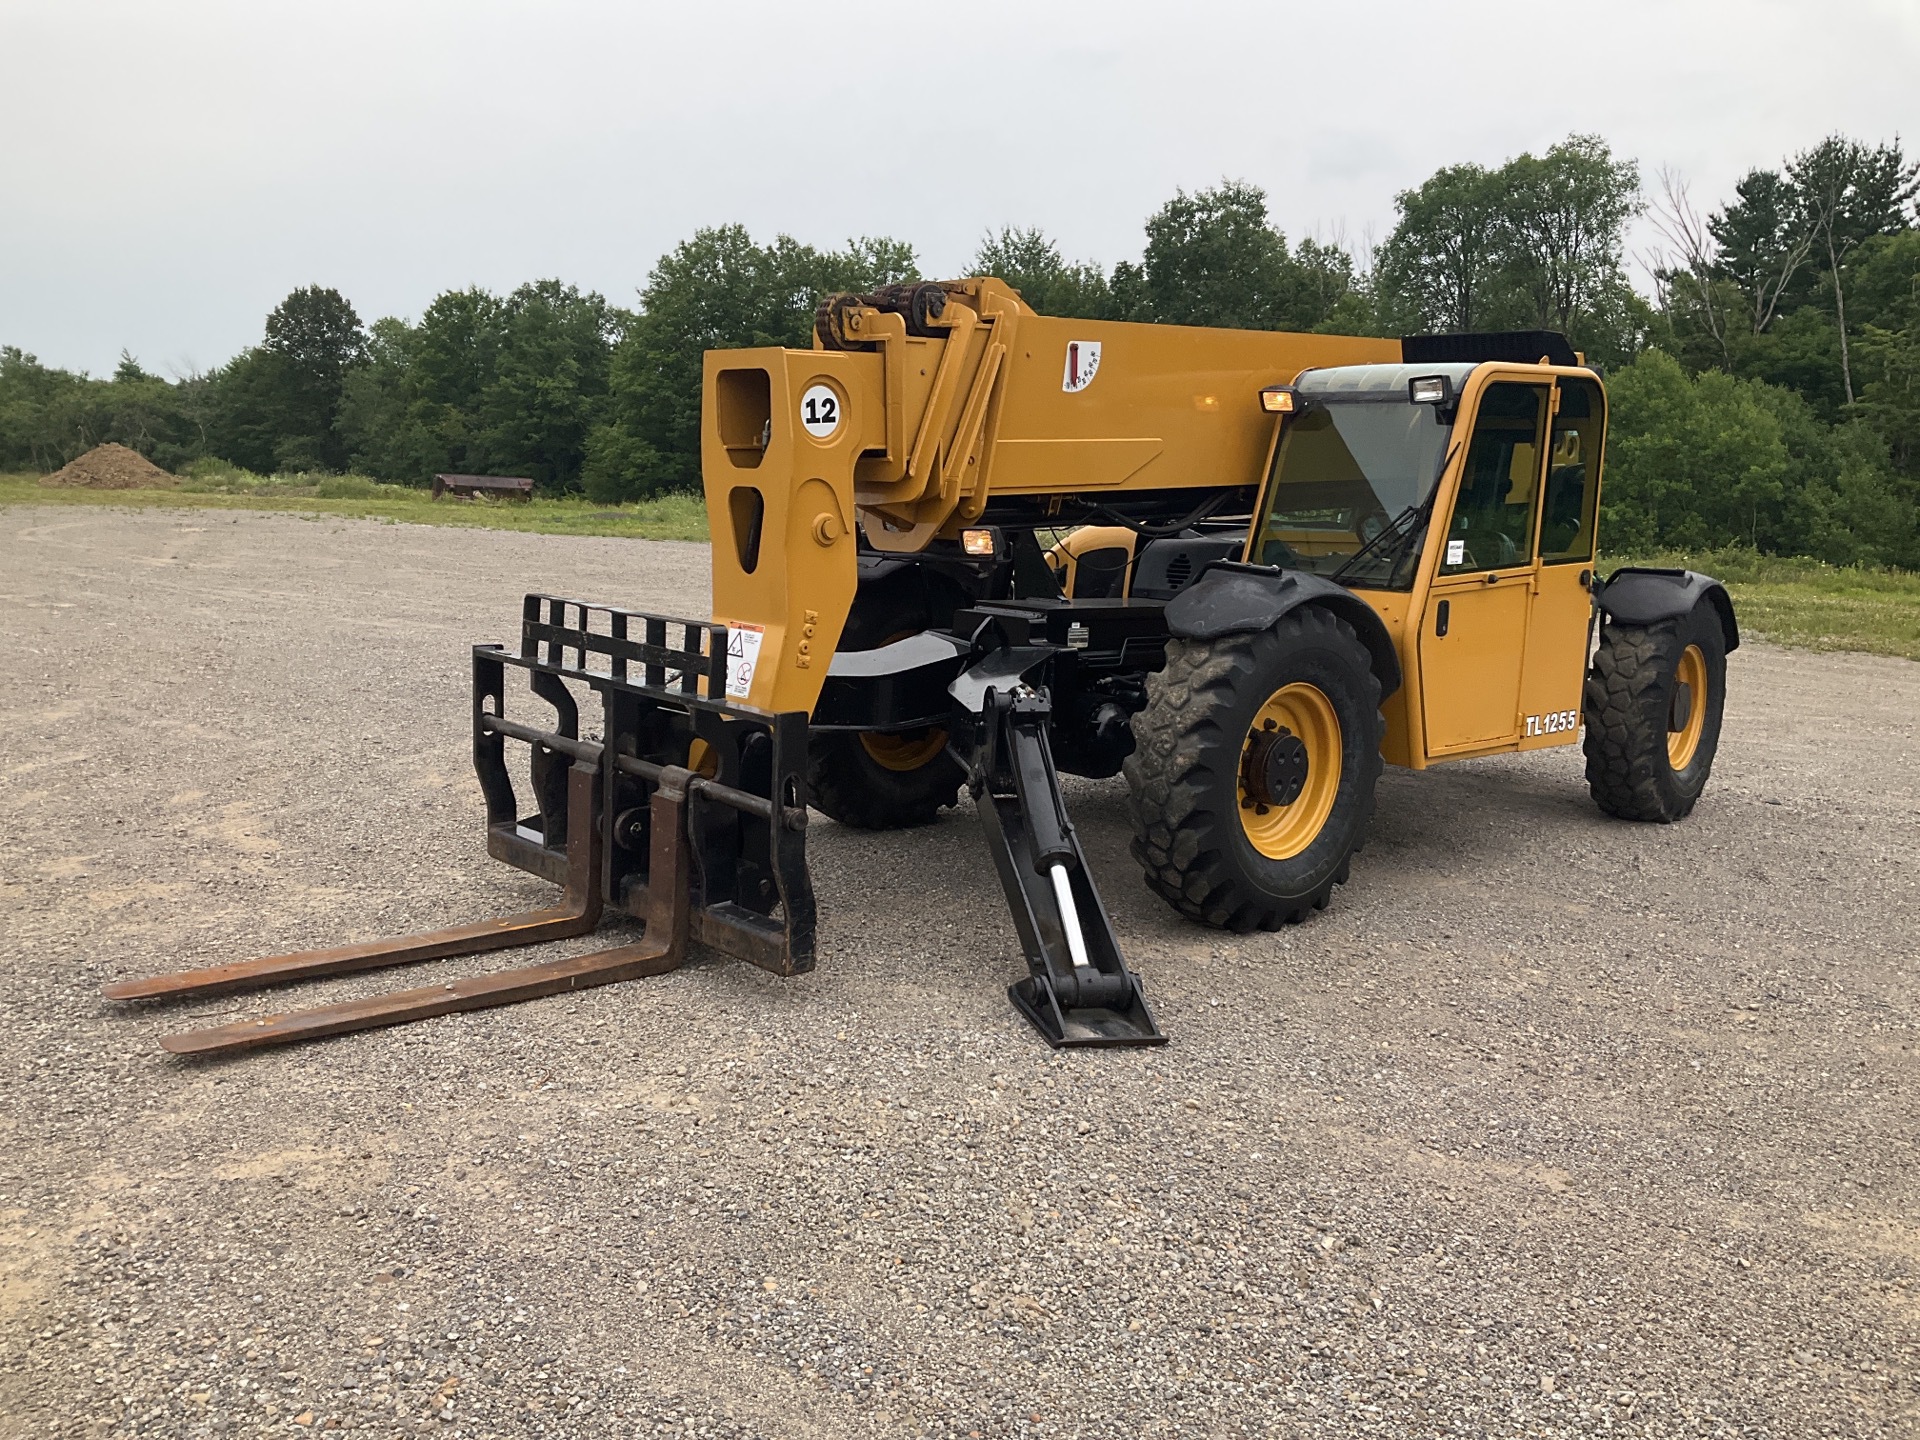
(111, 467)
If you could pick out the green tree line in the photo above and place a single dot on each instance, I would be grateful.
(1767, 393)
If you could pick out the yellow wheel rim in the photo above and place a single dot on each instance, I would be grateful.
(1684, 743)
(904, 752)
(1296, 727)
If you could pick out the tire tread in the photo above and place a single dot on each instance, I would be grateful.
(1180, 839)
(1625, 700)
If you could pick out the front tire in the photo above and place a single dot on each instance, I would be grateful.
(1654, 701)
(882, 782)
(1252, 780)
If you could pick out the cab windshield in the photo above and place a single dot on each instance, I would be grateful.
(1351, 483)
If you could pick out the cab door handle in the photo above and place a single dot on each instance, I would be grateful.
(1442, 616)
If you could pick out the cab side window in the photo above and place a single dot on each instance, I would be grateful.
(1573, 474)
(1492, 524)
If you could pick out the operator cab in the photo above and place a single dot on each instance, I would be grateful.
(1357, 472)
(1459, 499)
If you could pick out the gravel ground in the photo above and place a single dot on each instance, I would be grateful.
(1550, 1126)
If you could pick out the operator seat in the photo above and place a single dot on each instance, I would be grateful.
(1566, 499)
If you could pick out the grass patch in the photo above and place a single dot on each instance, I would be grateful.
(214, 486)
(1803, 602)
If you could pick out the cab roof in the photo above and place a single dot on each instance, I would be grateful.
(1381, 382)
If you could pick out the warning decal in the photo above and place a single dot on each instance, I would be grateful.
(743, 657)
(1083, 363)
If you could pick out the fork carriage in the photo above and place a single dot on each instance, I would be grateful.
(663, 706)
(622, 823)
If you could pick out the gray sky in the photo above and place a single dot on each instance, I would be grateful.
(169, 169)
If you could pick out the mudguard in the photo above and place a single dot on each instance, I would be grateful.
(895, 686)
(875, 568)
(1636, 595)
(1231, 597)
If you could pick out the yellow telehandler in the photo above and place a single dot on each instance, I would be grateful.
(957, 544)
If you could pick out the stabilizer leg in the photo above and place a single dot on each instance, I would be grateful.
(577, 913)
(1080, 991)
(663, 948)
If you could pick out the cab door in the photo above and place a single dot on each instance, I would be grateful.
(1473, 633)
(1562, 619)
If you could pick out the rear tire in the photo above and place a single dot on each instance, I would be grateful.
(1649, 753)
(875, 781)
(1206, 845)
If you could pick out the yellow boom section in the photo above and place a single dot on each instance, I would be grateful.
(910, 435)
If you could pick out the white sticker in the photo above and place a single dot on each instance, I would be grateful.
(743, 655)
(1555, 722)
(820, 411)
(1456, 552)
(1083, 363)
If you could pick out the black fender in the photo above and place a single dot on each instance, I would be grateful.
(1636, 595)
(1230, 597)
(875, 568)
(943, 587)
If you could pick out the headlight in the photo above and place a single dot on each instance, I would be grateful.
(977, 542)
